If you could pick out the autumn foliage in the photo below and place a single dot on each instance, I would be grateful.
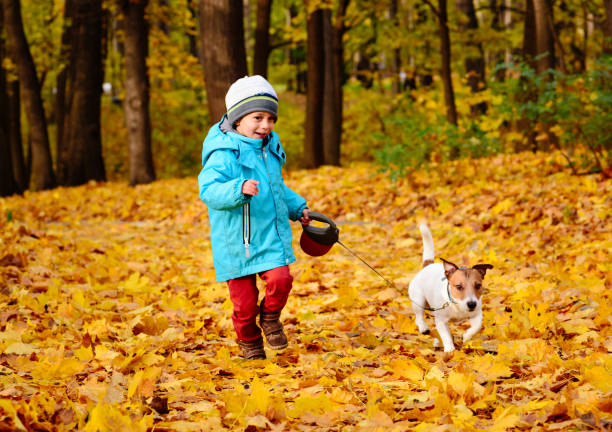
(110, 319)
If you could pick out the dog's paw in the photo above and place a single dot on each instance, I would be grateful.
(448, 355)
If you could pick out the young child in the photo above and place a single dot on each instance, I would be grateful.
(249, 208)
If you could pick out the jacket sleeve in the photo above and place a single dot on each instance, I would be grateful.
(218, 188)
(295, 203)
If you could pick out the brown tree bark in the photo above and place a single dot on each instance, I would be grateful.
(607, 29)
(224, 55)
(8, 185)
(20, 173)
(545, 41)
(42, 167)
(136, 104)
(474, 59)
(529, 35)
(445, 49)
(80, 159)
(10, 118)
(332, 125)
(262, 38)
(62, 76)
(315, 60)
(396, 63)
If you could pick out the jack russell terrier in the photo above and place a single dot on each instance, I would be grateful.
(449, 292)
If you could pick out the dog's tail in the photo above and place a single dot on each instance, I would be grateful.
(428, 246)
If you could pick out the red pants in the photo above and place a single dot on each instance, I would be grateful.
(244, 295)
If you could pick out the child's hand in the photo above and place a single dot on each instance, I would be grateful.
(305, 219)
(249, 187)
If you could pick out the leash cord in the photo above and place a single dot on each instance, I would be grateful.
(391, 284)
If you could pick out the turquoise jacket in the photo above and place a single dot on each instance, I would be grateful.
(248, 234)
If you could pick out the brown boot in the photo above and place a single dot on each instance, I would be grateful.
(252, 350)
(273, 329)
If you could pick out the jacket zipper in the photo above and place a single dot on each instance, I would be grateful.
(265, 156)
(246, 227)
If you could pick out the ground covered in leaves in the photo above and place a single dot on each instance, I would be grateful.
(110, 318)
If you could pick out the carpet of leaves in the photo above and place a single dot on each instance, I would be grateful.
(110, 318)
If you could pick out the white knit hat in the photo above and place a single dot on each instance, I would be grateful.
(250, 94)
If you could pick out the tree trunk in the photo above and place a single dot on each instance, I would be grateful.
(315, 60)
(42, 166)
(262, 38)
(10, 119)
(607, 29)
(449, 95)
(81, 156)
(62, 76)
(20, 173)
(396, 63)
(338, 62)
(332, 126)
(545, 42)
(8, 185)
(136, 104)
(224, 54)
(474, 59)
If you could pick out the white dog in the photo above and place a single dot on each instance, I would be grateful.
(449, 292)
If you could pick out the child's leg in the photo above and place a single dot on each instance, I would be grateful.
(244, 296)
(278, 285)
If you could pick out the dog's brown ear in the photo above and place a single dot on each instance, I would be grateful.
(449, 268)
(482, 269)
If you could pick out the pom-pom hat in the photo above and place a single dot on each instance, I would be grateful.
(250, 94)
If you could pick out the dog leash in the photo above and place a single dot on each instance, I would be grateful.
(392, 285)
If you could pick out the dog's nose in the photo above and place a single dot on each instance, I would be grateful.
(471, 305)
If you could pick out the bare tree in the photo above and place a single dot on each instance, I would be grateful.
(42, 168)
(137, 92)
(224, 55)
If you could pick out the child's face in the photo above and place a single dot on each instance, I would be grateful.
(257, 124)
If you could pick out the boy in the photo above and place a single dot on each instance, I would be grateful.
(249, 208)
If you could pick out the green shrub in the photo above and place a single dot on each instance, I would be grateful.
(572, 113)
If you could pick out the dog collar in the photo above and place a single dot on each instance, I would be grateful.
(450, 296)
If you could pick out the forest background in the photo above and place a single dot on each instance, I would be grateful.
(489, 120)
(400, 82)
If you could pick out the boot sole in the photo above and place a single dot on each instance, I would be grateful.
(277, 347)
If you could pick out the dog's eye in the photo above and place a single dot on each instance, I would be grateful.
(477, 286)
(459, 287)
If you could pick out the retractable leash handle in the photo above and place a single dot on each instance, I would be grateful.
(317, 241)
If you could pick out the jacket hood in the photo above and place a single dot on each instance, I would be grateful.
(223, 136)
